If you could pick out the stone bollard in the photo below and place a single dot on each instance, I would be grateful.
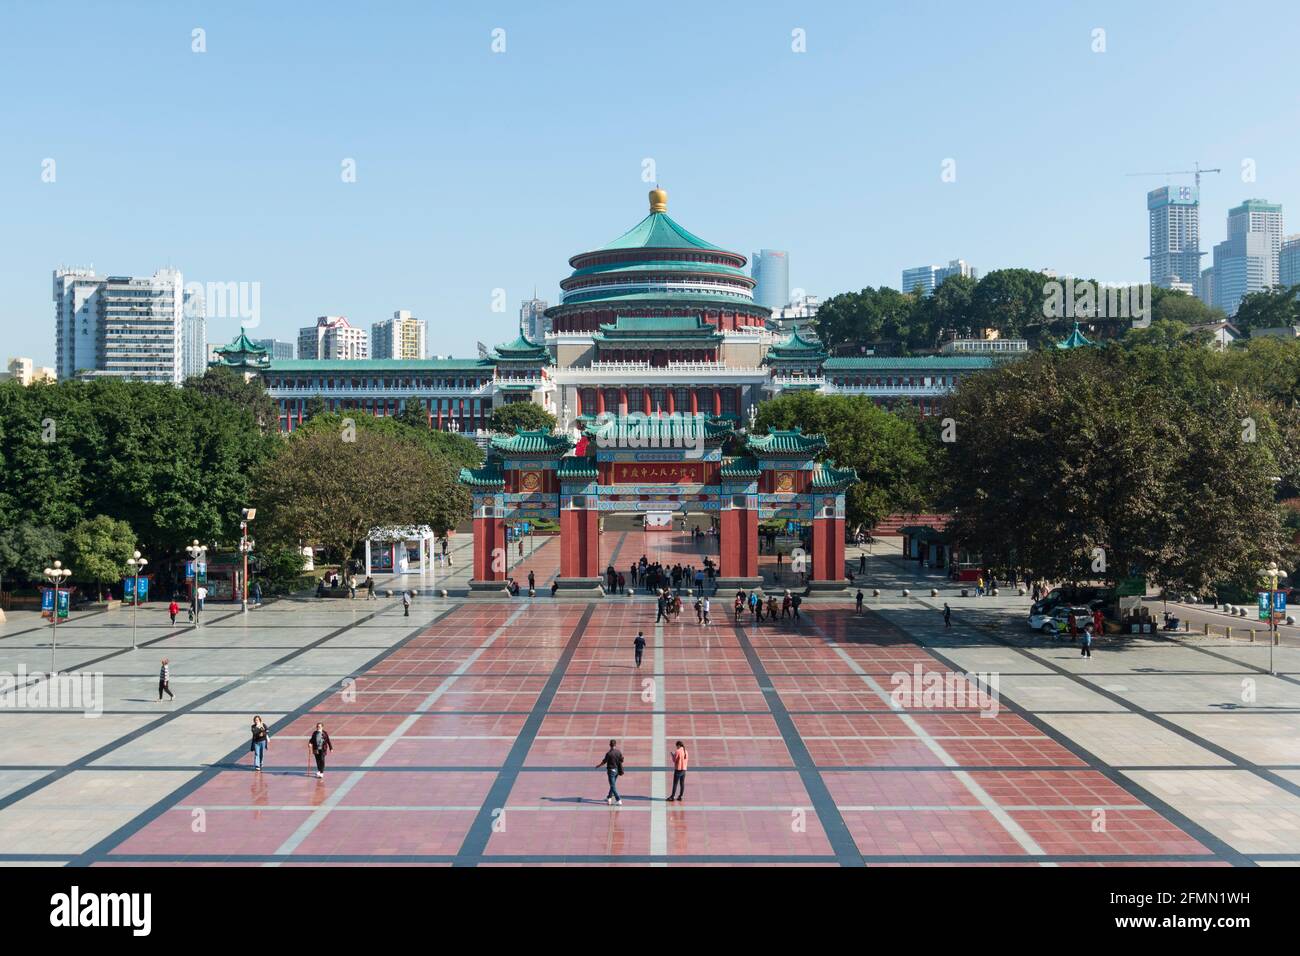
(934, 592)
(965, 592)
(629, 592)
(442, 592)
(875, 592)
(906, 593)
(532, 592)
(1020, 592)
(994, 592)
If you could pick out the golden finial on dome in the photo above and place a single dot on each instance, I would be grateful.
(658, 200)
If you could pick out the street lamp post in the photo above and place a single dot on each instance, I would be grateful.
(1271, 574)
(56, 575)
(136, 564)
(197, 553)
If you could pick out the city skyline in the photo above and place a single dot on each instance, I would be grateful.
(443, 220)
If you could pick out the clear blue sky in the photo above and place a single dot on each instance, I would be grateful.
(478, 171)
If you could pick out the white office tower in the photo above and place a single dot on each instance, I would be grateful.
(401, 337)
(1174, 241)
(121, 326)
(194, 335)
(1247, 261)
(1206, 288)
(770, 270)
(929, 278)
(533, 324)
(1288, 263)
(333, 337)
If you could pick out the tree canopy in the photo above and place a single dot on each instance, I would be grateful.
(526, 415)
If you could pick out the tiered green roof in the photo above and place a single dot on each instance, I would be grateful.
(796, 348)
(669, 328)
(829, 478)
(488, 476)
(734, 469)
(658, 231)
(345, 367)
(521, 349)
(781, 443)
(243, 352)
(537, 442)
(657, 431)
(1075, 341)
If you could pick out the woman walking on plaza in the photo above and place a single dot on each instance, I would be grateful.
(173, 609)
(165, 680)
(319, 745)
(261, 737)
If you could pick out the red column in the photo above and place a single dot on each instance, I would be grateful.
(489, 549)
(717, 403)
(738, 543)
(578, 402)
(672, 400)
(580, 543)
(622, 401)
(645, 400)
(695, 402)
(828, 549)
(600, 401)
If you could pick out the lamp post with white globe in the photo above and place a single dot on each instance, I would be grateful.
(1271, 575)
(56, 576)
(136, 564)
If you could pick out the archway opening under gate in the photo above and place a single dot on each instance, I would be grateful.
(655, 465)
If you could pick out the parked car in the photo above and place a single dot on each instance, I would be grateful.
(1057, 621)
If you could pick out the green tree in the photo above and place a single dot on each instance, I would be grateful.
(98, 549)
(1108, 462)
(1172, 305)
(27, 549)
(1274, 308)
(331, 485)
(525, 415)
(872, 317)
(223, 382)
(895, 465)
(1009, 300)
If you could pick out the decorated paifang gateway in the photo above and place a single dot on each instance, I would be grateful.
(657, 463)
(656, 321)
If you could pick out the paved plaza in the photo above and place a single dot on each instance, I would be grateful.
(469, 733)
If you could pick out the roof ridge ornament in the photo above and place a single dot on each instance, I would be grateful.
(658, 200)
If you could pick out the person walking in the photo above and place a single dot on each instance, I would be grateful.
(173, 609)
(699, 612)
(165, 680)
(862, 564)
(661, 609)
(613, 764)
(532, 581)
(257, 594)
(707, 622)
(740, 604)
(979, 587)
(319, 745)
(858, 602)
(1085, 650)
(406, 604)
(639, 646)
(786, 604)
(947, 615)
(261, 737)
(203, 596)
(795, 601)
(680, 758)
(370, 588)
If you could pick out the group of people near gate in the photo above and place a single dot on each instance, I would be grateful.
(769, 607)
(655, 577)
(668, 607)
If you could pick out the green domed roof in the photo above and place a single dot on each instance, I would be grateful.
(659, 231)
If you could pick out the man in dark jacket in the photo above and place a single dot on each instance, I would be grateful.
(613, 764)
(639, 645)
(319, 744)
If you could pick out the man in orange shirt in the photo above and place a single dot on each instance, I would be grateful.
(679, 772)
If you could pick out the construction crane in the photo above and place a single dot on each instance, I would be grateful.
(1182, 172)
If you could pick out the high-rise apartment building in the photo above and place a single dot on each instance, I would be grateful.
(1205, 291)
(929, 278)
(770, 270)
(1247, 261)
(1174, 242)
(123, 326)
(533, 323)
(401, 337)
(194, 335)
(25, 372)
(1288, 261)
(333, 337)
(277, 349)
